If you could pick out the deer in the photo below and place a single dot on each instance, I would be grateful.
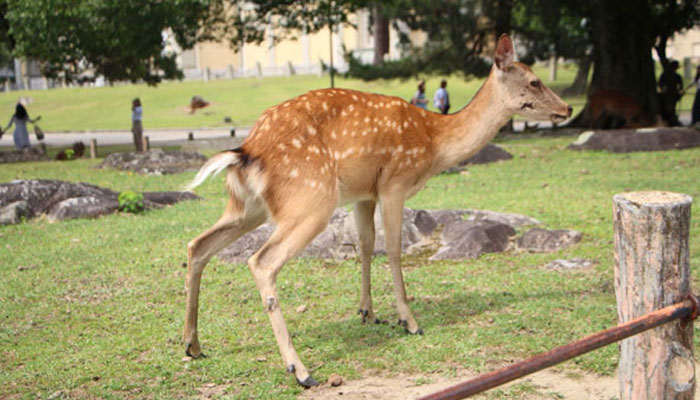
(333, 147)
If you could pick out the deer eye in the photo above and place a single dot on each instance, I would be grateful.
(535, 84)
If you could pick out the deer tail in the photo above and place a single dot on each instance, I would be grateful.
(213, 166)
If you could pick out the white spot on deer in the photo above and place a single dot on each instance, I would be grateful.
(333, 136)
(405, 124)
(351, 107)
(296, 143)
(364, 133)
(399, 148)
(307, 106)
(354, 97)
(312, 130)
(343, 113)
(345, 132)
(366, 120)
(356, 123)
(313, 184)
(285, 104)
(325, 106)
(308, 158)
(281, 146)
(370, 103)
(336, 155)
(375, 129)
(415, 124)
(381, 104)
(294, 173)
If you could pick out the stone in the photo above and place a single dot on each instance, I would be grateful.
(543, 240)
(61, 200)
(13, 213)
(512, 219)
(490, 153)
(470, 239)
(644, 139)
(335, 380)
(572, 264)
(156, 162)
(33, 154)
(82, 207)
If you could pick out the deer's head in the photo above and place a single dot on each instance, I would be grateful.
(521, 90)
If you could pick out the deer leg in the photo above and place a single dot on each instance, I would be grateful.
(392, 217)
(199, 251)
(364, 220)
(285, 242)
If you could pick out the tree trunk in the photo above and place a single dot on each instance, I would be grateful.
(581, 81)
(381, 33)
(651, 272)
(622, 54)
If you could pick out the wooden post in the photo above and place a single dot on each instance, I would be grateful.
(93, 148)
(651, 272)
(146, 144)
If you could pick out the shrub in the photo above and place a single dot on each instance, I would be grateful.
(131, 202)
(70, 154)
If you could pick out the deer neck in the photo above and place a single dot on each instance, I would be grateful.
(464, 133)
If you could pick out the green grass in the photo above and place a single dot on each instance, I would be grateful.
(165, 106)
(97, 311)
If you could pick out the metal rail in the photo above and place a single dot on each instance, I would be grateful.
(686, 310)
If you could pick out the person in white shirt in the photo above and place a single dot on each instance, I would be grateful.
(136, 124)
(696, 102)
(442, 98)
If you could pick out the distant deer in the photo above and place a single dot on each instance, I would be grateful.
(332, 147)
(196, 103)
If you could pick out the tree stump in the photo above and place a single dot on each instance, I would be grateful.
(651, 272)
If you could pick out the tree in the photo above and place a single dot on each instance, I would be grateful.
(78, 40)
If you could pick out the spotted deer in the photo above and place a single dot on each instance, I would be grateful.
(332, 147)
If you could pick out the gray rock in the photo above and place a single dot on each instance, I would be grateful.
(574, 263)
(470, 239)
(515, 220)
(156, 162)
(61, 200)
(490, 153)
(645, 139)
(14, 212)
(33, 154)
(82, 207)
(543, 240)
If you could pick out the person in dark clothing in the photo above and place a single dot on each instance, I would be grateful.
(670, 92)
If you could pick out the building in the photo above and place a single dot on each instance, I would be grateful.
(305, 55)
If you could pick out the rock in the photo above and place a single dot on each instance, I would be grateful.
(335, 380)
(490, 153)
(82, 207)
(62, 200)
(37, 153)
(470, 239)
(543, 240)
(515, 220)
(13, 213)
(301, 308)
(645, 139)
(155, 162)
(574, 263)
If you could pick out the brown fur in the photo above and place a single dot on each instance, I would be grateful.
(326, 148)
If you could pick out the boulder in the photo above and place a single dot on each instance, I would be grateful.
(156, 162)
(13, 213)
(644, 139)
(470, 239)
(543, 240)
(37, 153)
(63, 200)
(490, 153)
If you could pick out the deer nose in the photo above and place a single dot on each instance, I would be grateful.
(569, 109)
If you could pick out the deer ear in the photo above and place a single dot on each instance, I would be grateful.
(504, 53)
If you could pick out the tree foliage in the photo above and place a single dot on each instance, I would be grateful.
(78, 40)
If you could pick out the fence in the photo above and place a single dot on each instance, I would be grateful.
(651, 268)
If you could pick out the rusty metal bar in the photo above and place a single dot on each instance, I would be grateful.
(687, 310)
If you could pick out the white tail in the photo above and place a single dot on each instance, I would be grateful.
(212, 167)
(308, 155)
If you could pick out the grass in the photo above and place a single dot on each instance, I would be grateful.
(97, 309)
(165, 106)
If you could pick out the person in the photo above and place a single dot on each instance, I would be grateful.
(136, 123)
(670, 92)
(20, 119)
(442, 98)
(419, 99)
(696, 102)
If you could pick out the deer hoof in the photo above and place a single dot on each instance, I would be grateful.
(191, 355)
(309, 382)
(367, 317)
(404, 323)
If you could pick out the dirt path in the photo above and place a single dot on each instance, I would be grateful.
(547, 385)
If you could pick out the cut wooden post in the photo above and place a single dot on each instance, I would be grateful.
(93, 148)
(146, 144)
(652, 272)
